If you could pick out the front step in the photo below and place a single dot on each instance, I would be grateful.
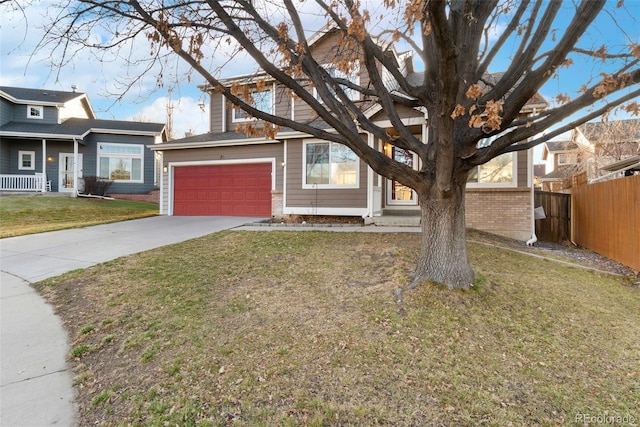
(394, 221)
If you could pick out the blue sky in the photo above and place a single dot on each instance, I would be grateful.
(147, 101)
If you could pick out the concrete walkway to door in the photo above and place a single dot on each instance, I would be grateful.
(35, 382)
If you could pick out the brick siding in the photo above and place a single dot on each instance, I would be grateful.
(505, 212)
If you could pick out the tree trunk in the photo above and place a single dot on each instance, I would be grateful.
(444, 248)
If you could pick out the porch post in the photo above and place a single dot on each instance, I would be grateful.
(75, 167)
(370, 176)
(44, 165)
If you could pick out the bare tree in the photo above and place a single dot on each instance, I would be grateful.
(605, 142)
(463, 103)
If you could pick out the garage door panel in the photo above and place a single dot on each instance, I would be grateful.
(239, 190)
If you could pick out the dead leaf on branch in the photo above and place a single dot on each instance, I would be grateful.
(633, 108)
(474, 91)
(476, 121)
(562, 98)
(457, 112)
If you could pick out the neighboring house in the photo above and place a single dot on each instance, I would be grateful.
(610, 143)
(50, 140)
(590, 149)
(224, 172)
(562, 159)
(539, 170)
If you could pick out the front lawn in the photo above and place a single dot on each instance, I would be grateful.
(35, 214)
(302, 328)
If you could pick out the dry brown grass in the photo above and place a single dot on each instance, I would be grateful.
(21, 215)
(302, 328)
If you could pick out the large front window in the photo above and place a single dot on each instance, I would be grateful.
(329, 164)
(120, 162)
(497, 172)
(261, 100)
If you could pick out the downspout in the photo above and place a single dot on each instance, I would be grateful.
(533, 238)
(224, 115)
(75, 168)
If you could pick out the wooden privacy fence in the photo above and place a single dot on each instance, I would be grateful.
(606, 219)
(556, 227)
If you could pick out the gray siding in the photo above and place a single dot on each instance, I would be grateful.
(9, 159)
(523, 168)
(6, 111)
(19, 114)
(322, 198)
(215, 112)
(5, 154)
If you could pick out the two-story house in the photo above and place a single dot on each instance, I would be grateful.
(563, 158)
(225, 172)
(50, 140)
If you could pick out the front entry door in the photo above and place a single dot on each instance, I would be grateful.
(65, 182)
(397, 193)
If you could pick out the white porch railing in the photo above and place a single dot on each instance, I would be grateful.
(21, 182)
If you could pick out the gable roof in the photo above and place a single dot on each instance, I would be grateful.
(212, 139)
(561, 145)
(22, 95)
(562, 172)
(80, 128)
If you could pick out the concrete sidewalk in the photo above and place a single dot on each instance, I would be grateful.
(35, 380)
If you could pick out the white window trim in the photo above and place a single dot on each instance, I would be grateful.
(235, 109)
(37, 107)
(33, 160)
(566, 155)
(325, 186)
(512, 184)
(355, 95)
(129, 156)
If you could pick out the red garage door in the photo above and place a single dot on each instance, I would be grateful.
(237, 190)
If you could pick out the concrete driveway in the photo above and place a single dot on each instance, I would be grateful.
(35, 381)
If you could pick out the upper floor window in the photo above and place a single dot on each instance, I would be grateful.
(329, 165)
(26, 160)
(566, 158)
(353, 77)
(121, 162)
(35, 111)
(262, 100)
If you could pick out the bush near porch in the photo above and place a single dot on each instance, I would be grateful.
(21, 215)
